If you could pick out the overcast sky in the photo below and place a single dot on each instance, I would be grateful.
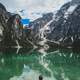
(33, 6)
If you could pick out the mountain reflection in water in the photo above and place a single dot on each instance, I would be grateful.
(57, 64)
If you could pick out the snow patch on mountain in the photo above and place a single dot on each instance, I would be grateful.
(70, 10)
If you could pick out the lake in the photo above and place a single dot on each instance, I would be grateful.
(54, 64)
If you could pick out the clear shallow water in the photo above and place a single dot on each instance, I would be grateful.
(61, 64)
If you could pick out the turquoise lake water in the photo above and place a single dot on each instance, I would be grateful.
(57, 64)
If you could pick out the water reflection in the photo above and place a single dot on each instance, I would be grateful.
(61, 64)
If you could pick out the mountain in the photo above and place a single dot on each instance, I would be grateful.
(65, 28)
(39, 24)
(11, 33)
(61, 28)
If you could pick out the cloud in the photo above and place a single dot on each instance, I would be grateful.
(33, 6)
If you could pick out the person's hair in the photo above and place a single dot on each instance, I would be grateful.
(40, 77)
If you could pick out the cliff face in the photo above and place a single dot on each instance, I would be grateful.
(3, 22)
